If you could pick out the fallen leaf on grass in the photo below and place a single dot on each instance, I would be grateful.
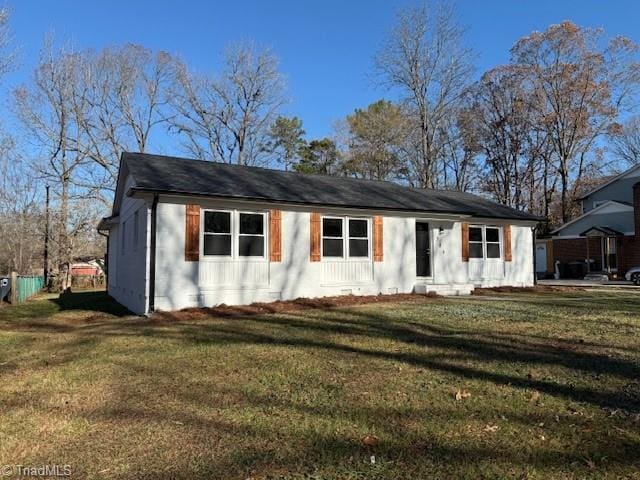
(590, 463)
(535, 398)
(370, 440)
(490, 428)
(461, 394)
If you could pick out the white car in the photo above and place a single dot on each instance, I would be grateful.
(633, 275)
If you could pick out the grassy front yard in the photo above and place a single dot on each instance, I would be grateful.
(519, 385)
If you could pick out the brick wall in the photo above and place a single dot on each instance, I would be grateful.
(575, 250)
(628, 253)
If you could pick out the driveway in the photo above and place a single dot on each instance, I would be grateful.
(588, 283)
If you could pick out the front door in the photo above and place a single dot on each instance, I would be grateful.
(423, 250)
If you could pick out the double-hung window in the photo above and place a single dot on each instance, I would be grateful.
(233, 234)
(484, 242)
(358, 237)
(251, 235)
(217, 233)
(345, 237)
(492, 240)
(333, 237)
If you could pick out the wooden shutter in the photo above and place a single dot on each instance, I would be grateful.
(192, 233)
(275, 236)
(465, 242)
(315, 237)
(506, 235)
(377, 239)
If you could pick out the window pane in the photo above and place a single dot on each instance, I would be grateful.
(358, 228)
(358, 248)
(251, 223)
(251, 246)
(331, 247)
(217, 222)
(475, 234)
(332, 227)
(493, 250)
(493, 235)
(217, 245)
(475, 250)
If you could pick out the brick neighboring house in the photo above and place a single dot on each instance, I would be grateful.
(606, 237)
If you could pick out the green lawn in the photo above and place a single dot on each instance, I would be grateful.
(553, 378)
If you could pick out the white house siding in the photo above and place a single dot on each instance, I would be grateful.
(128, 268)
(208, 282)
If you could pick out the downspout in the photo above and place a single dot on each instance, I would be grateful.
(535, 274)
(152, 256)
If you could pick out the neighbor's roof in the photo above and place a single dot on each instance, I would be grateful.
(155, 173)
(607, 231)
(608, 181)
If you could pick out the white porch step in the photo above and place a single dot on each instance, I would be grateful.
(446, 290)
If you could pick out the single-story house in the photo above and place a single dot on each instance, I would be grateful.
(606, 237)
(190, 233)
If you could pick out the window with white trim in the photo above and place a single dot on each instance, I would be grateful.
(217, 233)
(358, 238)
(350, 242)
(233, 234)
(485, 242)
(251, 235)
(492, 241)
(333, 237)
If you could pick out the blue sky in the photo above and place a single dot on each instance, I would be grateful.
(325, 47)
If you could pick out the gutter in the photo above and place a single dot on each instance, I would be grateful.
(152, 256)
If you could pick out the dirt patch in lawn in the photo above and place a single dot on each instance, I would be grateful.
(297, 305)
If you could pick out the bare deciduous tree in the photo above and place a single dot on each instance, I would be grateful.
(502, 117)
(425, 59)
(584, 86)
(625, 139)
(7, 55)
(119, 101)
(47, 111)
(226, 118)
(20, 214)
(459, 165)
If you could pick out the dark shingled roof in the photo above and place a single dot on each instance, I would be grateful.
(156, 173)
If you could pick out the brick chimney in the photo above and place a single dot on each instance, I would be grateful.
(636, 208)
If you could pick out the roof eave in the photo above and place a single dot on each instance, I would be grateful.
(461, 214)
